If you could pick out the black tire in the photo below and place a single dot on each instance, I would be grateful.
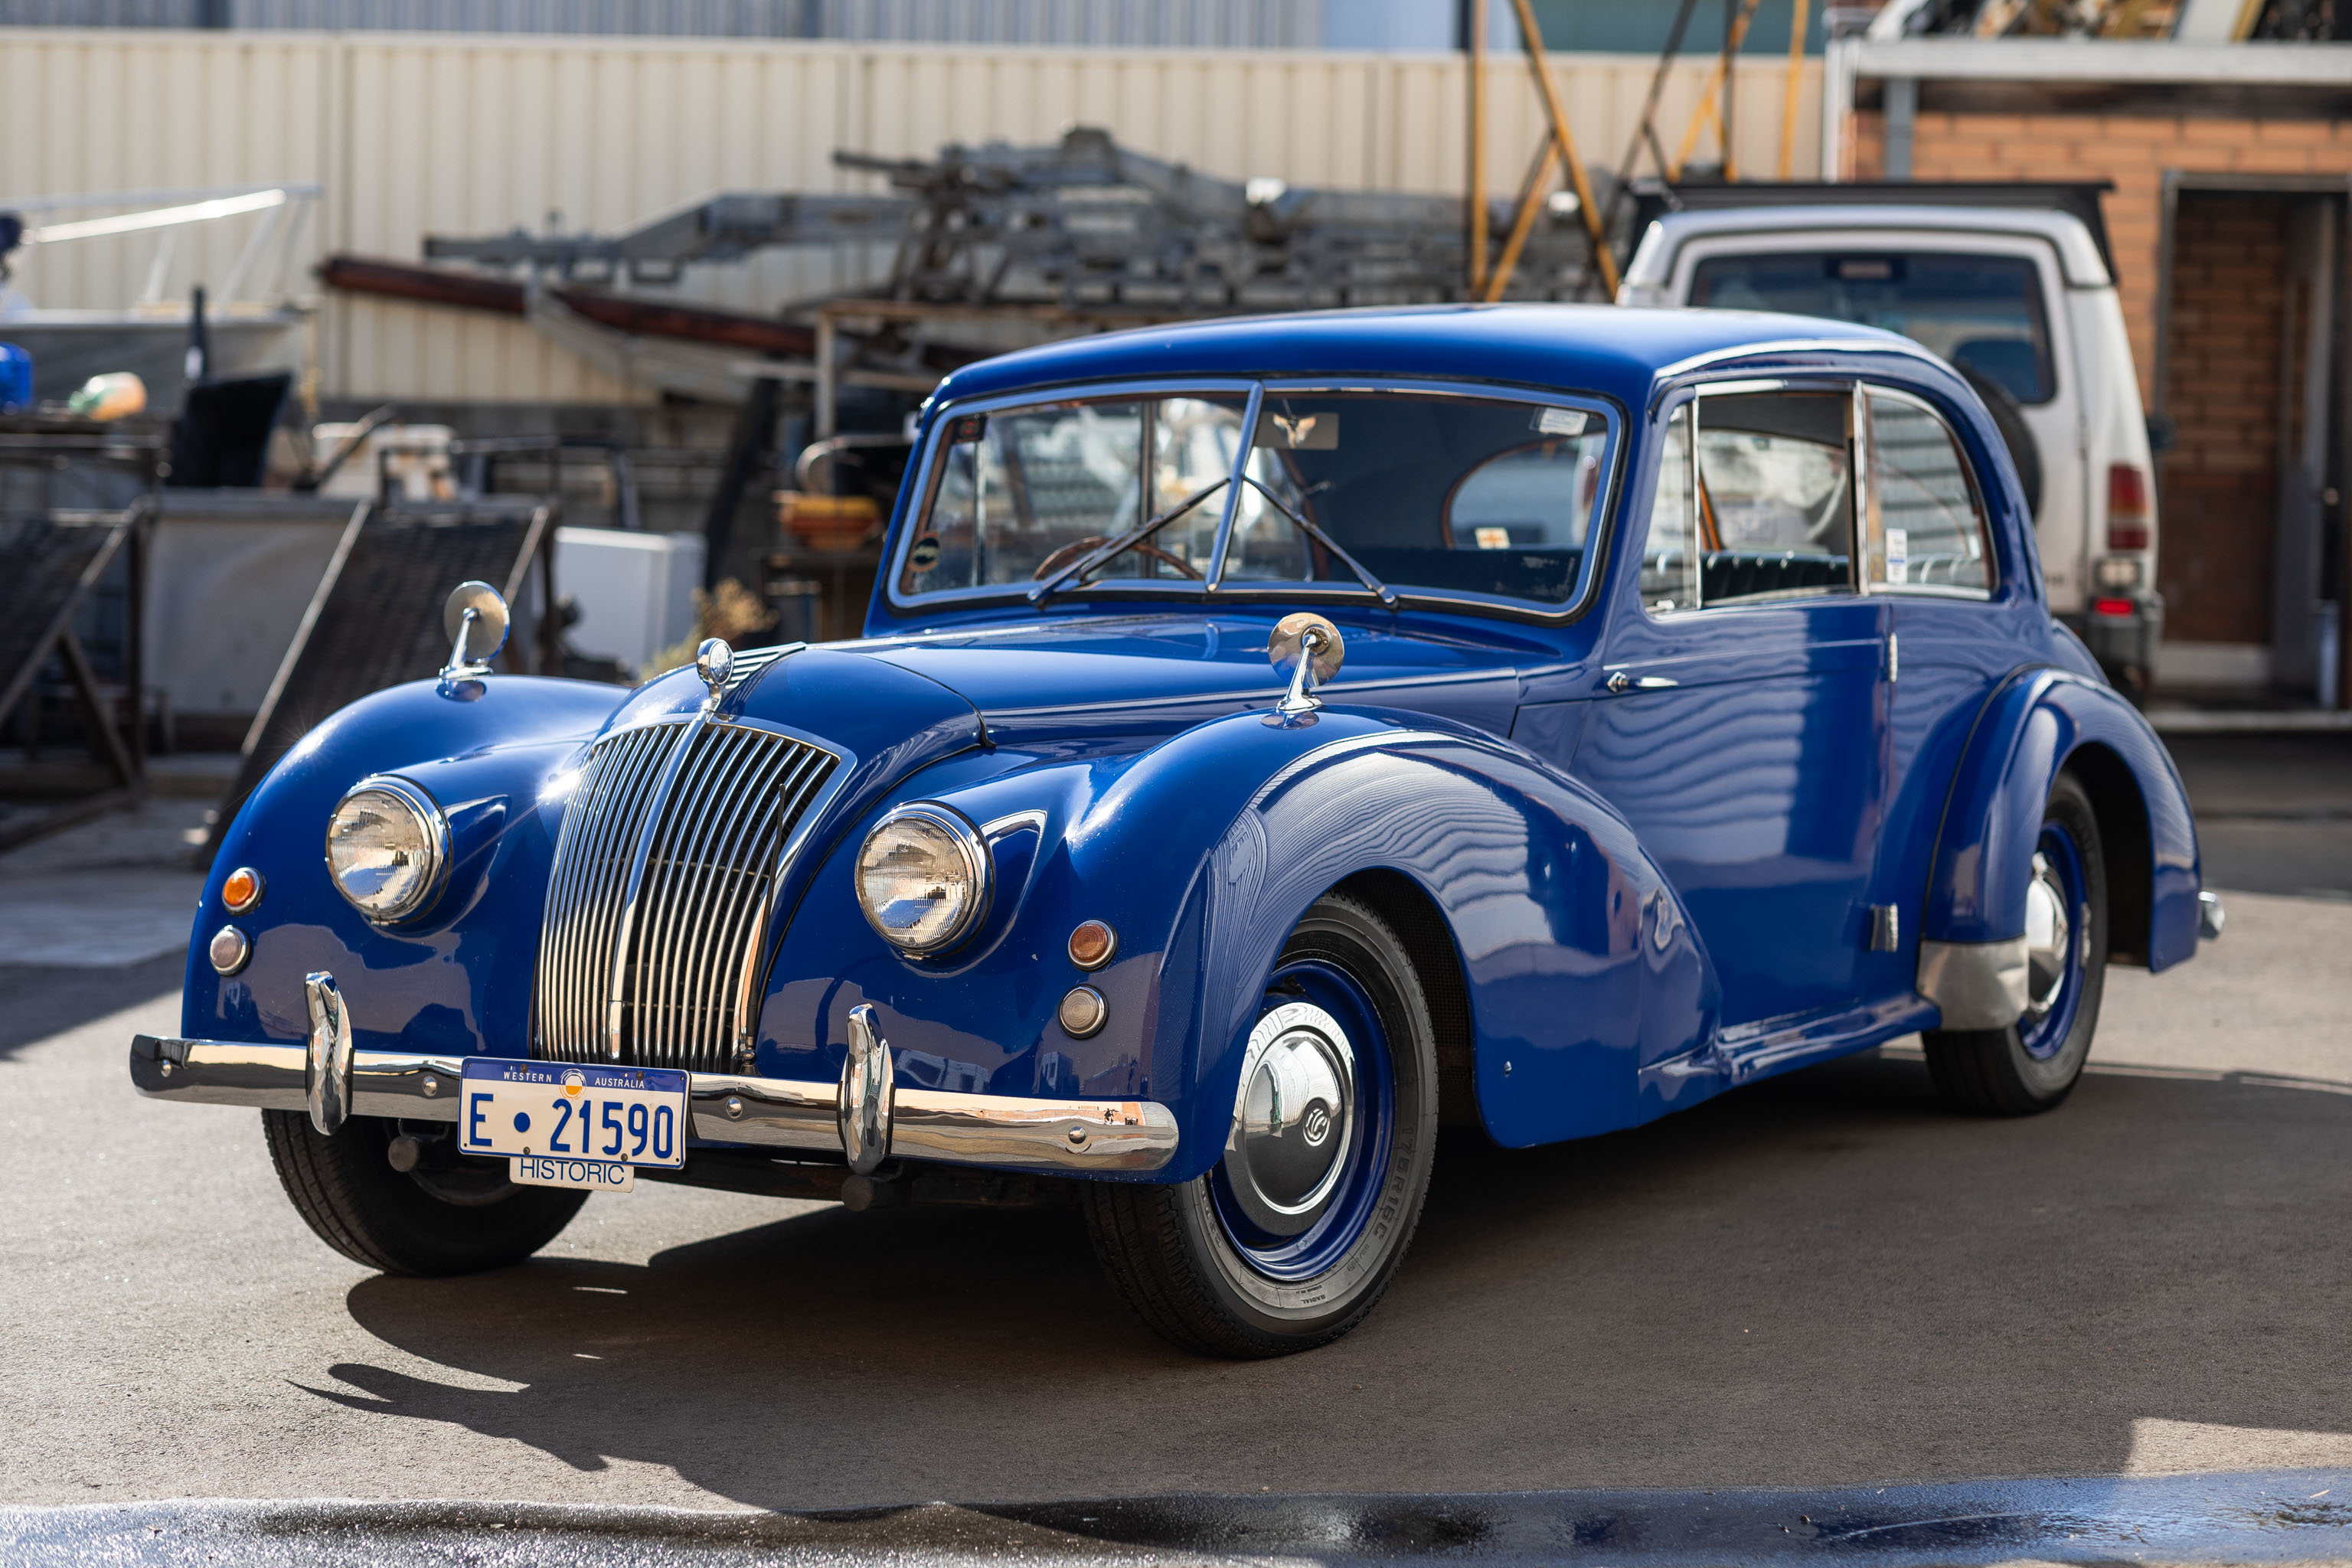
(448, 1217)
(1995, 1072)
(1176, 1261)
(2009, 418)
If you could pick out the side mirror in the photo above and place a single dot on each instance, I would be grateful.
(474, 621)
(1310, 650)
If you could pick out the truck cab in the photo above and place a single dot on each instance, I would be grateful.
(2020, 299)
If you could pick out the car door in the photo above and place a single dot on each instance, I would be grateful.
(1927, 559)
(1743, 724)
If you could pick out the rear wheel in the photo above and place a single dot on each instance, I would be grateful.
(2032, 1065)
(447, 1214)
(1290, 1241)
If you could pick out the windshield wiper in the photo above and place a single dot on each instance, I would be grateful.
(1111, 547)
(1387, 594)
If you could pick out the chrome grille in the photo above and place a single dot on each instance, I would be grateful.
(664, 872)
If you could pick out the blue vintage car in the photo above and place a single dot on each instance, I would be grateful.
(1273, 740)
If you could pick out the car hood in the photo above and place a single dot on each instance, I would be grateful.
(1143, 676)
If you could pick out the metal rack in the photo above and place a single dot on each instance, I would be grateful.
(76, 497)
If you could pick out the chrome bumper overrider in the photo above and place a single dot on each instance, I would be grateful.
(1062, 1135)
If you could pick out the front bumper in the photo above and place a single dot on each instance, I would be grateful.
(1063, 1136)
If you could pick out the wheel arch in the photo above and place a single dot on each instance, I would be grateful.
(2126, 850)
(1429, 941)
(2037, 724)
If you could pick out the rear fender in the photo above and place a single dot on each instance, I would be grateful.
(2039, 723)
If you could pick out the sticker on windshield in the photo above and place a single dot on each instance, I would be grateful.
(1560, 421)
(924, 553)
(1898, 554)
(1298, 432)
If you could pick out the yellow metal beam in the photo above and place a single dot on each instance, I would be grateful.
(1531, 39)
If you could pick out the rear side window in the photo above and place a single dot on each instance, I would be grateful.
(1982, 313)
(1924, 528)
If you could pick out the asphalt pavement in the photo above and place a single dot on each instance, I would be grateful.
(1824, 1281)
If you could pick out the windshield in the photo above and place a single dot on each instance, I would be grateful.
(1481, 495)
(1982, 313)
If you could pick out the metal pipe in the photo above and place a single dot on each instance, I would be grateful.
(1531, 40)
(1475, 22)
(1790, 85)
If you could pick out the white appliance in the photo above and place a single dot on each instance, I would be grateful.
(635, 591)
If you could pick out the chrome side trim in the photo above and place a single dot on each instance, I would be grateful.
(1976, 984)
(1064, 1136)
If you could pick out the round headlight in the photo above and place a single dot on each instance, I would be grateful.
(386, 845)
(922, 877)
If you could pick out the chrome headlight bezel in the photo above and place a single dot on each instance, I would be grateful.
(970, 848)
(433, 839)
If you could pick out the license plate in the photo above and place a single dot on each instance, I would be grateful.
(560, 1113)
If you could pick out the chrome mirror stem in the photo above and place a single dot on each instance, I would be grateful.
(1300, 698)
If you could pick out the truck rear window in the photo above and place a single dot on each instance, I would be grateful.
(1982, 313)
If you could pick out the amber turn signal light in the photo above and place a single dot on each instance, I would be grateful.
(242, 890)
(1092, 944)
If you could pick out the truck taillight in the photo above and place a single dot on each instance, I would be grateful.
(2127, 508)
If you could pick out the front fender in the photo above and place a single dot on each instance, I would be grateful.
(1202, 853)
(443, 981)
(2036, 724)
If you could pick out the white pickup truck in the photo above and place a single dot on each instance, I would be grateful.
(2013, 286)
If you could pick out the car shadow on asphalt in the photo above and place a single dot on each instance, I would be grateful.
(36, 1002)
(1825, 1277)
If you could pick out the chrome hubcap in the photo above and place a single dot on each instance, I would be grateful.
(2047, 938)
(1293, 1120)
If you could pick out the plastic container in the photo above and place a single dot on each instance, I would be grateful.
(16, 379)
(116, 396)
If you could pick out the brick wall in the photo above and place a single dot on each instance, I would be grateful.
(2132, 149)
(2221, 480)
(2219, 488)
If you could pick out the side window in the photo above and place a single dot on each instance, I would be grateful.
(1923, 526)
(1755, 500)
(1775, 495)
(1670, 554)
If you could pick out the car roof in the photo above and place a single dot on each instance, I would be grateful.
(1612, 350)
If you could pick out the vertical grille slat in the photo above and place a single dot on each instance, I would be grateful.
(712, 847)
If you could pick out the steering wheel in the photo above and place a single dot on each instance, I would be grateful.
(1079, 547)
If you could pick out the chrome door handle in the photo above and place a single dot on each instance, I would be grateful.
(1619, 681)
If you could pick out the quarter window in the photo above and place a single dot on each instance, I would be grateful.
(1924, 527)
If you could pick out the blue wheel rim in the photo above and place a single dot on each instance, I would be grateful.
(1364, 1165)
(2044, 1036)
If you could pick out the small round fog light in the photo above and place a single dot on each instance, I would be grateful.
(1083, 1011)
(1092, 944)
(229, 950)
(242, 890)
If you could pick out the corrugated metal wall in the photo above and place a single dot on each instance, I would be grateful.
(414, 134)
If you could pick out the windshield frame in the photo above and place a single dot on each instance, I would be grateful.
(929, 469)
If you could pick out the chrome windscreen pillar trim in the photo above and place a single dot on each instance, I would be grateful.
(1067, 1137)
(1976, 984)
(327, 1066)
(868, 1084)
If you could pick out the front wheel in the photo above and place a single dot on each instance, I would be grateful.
(1290, 1241)
(2034, 1064)
(445, 1214)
